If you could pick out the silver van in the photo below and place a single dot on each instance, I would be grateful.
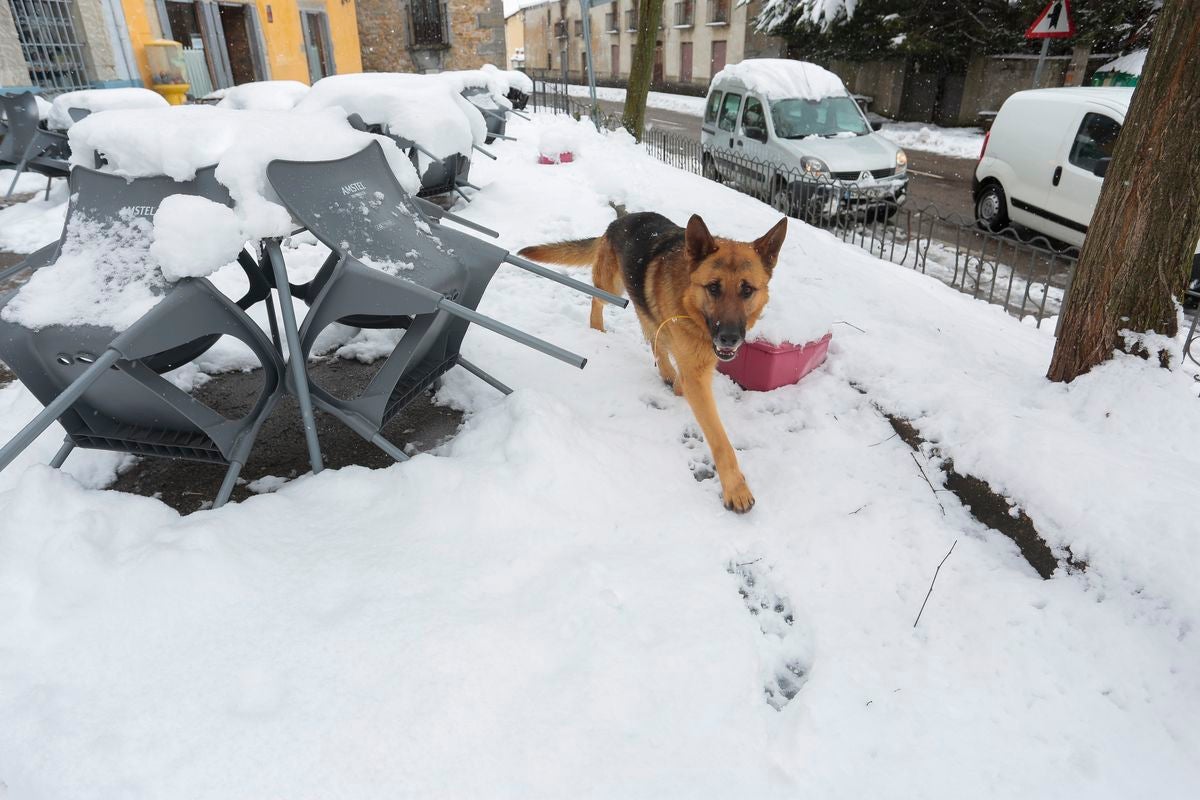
(789, 133)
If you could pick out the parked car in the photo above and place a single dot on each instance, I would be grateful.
(1044, 160)
(789, 133)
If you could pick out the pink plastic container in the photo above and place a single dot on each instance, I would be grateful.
(562, 158)
(762, 367)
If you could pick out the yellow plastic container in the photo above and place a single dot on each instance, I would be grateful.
(168, 74)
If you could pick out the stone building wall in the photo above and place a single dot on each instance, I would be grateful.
(476, 37)
(13, 71)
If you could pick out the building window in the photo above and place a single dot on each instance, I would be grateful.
(560, 29)
(50, 45)
(631, 18)
(579, 27)
(610, 22)
(718, 12)
(427, 23)
(685, 14)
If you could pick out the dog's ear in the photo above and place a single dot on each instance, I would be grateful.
(699, 241)
(767, 246)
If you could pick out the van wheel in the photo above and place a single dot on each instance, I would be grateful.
(709, 168)
(991, 208)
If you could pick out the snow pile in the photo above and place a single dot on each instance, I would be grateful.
(26, 227)
(513, 77)
(194, 237)
(424, 109)
(1130, 63)
(570, 610)
(954, 142)
(782, 78)
(263, 96)
(104, 276)
(559, 138)
(96, 100)
(180, 140)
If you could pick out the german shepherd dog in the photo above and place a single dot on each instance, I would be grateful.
(696, 296)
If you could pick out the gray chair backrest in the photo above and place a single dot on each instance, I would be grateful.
(133, 409)
(356, 207)
(21, 113)
(77, 114)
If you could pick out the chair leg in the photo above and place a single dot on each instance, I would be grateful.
(483, 376)
(274, 325)
(295, 360)
(231, 476)
(19, 168)
(389, 448)
(49, 180)
(57, 407)
(61, 455)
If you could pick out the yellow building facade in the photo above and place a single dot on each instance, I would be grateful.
(236, 41)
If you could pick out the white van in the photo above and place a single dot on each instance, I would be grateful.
(1044, 159)
(770, 124)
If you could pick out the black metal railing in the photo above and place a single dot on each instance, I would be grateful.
(1027, 277)
(427, 24)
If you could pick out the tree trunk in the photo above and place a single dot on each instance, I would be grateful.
(641, 71)
(1139, 246)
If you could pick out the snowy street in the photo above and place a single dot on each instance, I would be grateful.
(553, 603)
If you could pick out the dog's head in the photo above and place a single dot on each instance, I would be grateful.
(729, 282)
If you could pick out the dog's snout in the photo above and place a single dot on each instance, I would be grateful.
(729, 338)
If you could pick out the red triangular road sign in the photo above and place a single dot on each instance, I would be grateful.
(1055, 22)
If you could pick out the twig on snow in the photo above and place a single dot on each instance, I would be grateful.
(851, 324)
(881, 441)
(931, 583)
(927, 483)
(860, 508)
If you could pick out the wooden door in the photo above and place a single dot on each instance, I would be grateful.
(718, 59)
(685, 62)
(658, 65)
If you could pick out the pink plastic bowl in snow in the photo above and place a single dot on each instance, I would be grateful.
(762, 367)
(561, 158)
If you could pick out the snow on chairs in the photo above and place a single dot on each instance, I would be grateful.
(102, 379)
(396, 265)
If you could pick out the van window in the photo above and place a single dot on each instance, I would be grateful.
(729, 112)
(753, 116)
(714, 103)
(1095, 140)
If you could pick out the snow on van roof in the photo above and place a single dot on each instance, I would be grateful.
(1130, 63)
(780, 78)
(426, 109)
(1115, 97)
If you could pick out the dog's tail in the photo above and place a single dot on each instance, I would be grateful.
(577, 253)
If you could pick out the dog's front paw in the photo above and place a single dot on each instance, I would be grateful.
(738, 498)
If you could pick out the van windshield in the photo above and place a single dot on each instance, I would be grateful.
(796, 118)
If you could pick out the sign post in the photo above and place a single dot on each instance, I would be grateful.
(585, 7)
(1055, 22)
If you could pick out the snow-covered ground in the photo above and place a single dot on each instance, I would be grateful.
(956, 142)
(552, 604)
(684, 104)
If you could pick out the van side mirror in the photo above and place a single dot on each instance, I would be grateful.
(875, 126)
(757, 134)
(1101, 168)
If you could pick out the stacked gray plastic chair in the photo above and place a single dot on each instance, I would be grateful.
(496, 117)
(29, 147)
(390, 261)
(105, 387)
(441, 175)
